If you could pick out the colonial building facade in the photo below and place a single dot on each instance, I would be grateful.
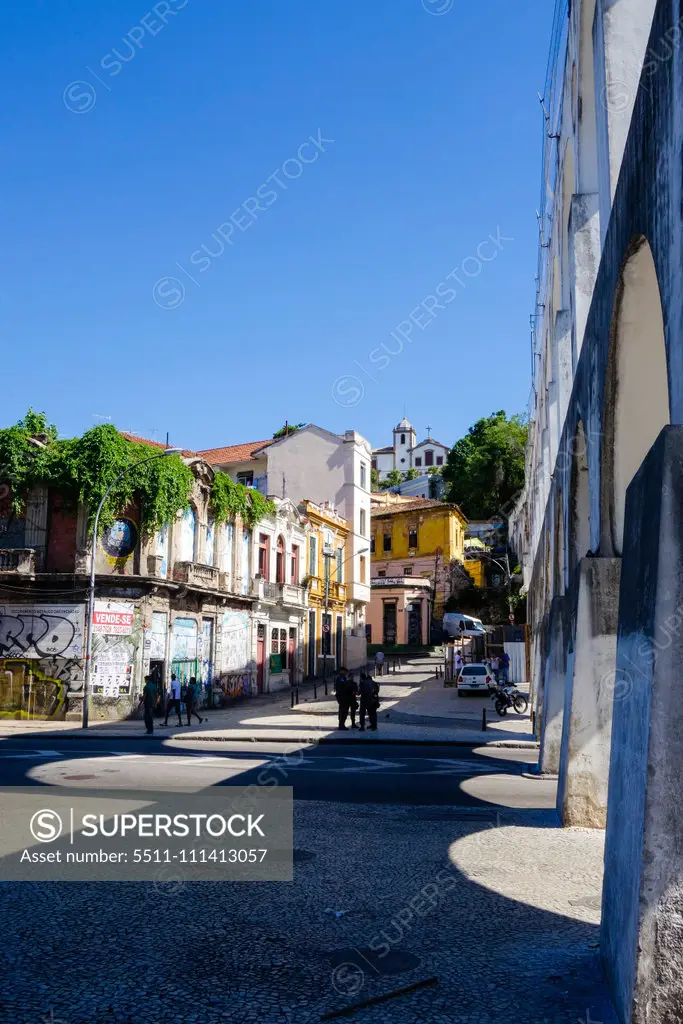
(313, 464)
(419, 538)
(330, 610)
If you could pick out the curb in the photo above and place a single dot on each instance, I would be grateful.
(303, 740)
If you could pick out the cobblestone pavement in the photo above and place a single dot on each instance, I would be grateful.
(501, 910)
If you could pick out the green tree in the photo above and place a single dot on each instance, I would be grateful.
(374, 480)
(392, 479)
(485, 469)
(412, 474)
(286, 429)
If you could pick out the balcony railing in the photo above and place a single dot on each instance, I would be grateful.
(337, 590)
(18, 560)
(278, 593)
(196, 575)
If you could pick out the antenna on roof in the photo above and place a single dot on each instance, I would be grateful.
(167, 444)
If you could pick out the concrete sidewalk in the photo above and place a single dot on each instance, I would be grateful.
(416, 708)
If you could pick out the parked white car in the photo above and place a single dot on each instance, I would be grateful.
(474, 679)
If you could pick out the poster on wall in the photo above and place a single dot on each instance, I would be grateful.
(114, 618)
(235, 641)
(42, 630)
(113, 671)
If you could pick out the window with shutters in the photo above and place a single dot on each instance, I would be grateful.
(280, 560)
(264, 555)
(313, 556)
(387, 542)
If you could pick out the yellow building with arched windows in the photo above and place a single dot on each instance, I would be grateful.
(329, 637)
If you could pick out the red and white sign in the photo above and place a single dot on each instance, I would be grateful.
(114, 618)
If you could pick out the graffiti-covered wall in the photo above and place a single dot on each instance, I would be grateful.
(236, 676)
(41, 658)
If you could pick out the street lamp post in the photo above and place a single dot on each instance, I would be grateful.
(91, 589)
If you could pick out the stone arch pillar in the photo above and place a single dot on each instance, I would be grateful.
(636, 405)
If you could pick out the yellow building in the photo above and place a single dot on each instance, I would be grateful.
(417, 537)
(326, 616)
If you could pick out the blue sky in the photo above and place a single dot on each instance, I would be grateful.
(134, 134)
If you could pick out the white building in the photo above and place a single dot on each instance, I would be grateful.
(317, 465)
(275, 552)
(406, 453)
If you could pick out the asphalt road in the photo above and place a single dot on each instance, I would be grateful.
(390, 894)
(384, 774)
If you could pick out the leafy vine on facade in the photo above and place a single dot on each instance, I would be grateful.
(81, 469)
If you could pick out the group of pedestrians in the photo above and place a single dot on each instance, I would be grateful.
(352, 697)
(500, 668)
(179, 694)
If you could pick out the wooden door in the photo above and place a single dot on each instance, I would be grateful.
(260, 656)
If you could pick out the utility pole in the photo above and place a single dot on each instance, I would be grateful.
(327, 631)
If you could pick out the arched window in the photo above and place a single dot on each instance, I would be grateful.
(403, 438)
(228, 535)
(187, 537)
(210, 547)
(245, 560)
(280, 560)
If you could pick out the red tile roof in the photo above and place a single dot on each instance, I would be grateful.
(233, 452)
(415, 505)
(153, 444)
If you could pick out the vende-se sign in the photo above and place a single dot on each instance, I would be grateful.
(114, 618)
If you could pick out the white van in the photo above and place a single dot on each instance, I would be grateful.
(458, 625)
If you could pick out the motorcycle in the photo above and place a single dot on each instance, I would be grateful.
(509, 697)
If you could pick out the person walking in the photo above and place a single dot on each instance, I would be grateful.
(174, 701)
(379, 663)
(190, 699)
(369, 701)
(505, 668)
(149, 699)
(495, 666)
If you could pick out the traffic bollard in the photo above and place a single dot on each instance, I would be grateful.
(483, 719)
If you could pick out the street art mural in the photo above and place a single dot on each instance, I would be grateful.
(40, 631)
(32, 688)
